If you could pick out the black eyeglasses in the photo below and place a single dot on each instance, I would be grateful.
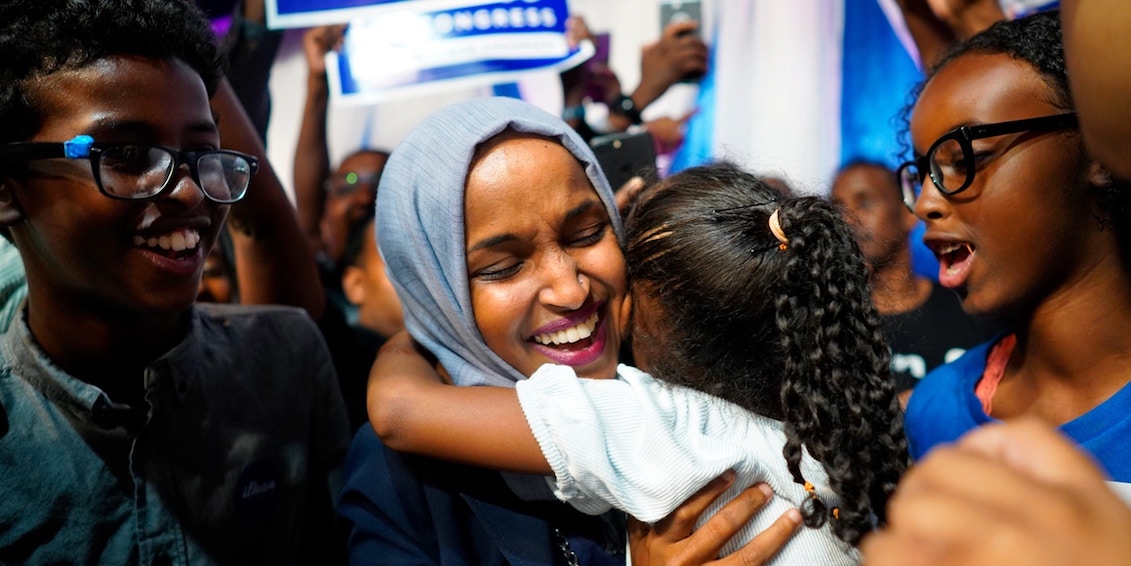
(951, 162)
(128, 171)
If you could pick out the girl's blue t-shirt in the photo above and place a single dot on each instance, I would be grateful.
(943, 407)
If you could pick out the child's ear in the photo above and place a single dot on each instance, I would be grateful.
(353, 285)
(10, 212)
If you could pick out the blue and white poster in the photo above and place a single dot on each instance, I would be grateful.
(413, 50)
(282, 14)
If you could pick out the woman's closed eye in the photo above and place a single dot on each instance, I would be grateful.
(499, 270)
(590, 235)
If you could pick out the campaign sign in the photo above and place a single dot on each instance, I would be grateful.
(411, 51)
(283, 14)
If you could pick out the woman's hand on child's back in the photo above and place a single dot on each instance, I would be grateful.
(671, 541)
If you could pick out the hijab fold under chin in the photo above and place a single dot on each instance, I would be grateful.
(420, 225)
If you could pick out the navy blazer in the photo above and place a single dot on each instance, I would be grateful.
(406, 509)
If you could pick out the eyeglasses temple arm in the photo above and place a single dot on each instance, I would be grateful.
(77, 147)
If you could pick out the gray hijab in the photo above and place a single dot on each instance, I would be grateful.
(420, 226)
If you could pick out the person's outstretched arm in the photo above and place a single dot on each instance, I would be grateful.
(312, 156)
(413, 410)
(967, 17)
(251, 53)
(931, 34)
(274, 263)
(936, 24)
(678, 52)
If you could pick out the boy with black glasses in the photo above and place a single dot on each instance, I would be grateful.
(135, 426)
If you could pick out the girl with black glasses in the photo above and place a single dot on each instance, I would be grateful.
(1027, 226)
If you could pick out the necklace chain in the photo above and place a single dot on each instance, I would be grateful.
(567, 552)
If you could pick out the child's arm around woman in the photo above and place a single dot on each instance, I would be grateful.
(632, 442)
(413, 410)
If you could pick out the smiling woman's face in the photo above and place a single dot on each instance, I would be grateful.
(546, 273)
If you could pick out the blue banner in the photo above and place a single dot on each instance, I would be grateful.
(877, 77)
(309, 13)
(412, 50)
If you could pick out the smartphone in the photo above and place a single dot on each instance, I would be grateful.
(623, 156)
(601, 49)
(594, 89)
(681, 11)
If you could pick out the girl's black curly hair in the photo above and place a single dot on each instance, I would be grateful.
(41, 37)
(787, 333)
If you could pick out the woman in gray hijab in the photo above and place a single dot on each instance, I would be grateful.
(504, 244)
(421, 228)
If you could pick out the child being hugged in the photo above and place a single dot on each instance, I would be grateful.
(753, 314)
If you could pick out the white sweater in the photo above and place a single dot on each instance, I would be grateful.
(644, 447)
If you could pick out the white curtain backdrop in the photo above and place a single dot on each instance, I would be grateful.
(778, 88)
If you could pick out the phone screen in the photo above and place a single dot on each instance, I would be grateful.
(678, 11)
(622, 156)
(672, 11)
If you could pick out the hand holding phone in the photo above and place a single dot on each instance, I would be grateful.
(680, 54)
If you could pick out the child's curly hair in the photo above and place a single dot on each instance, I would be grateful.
(787, 333)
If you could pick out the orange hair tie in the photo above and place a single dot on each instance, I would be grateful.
(775, 229)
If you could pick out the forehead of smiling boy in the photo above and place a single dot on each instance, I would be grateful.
(42, 37)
